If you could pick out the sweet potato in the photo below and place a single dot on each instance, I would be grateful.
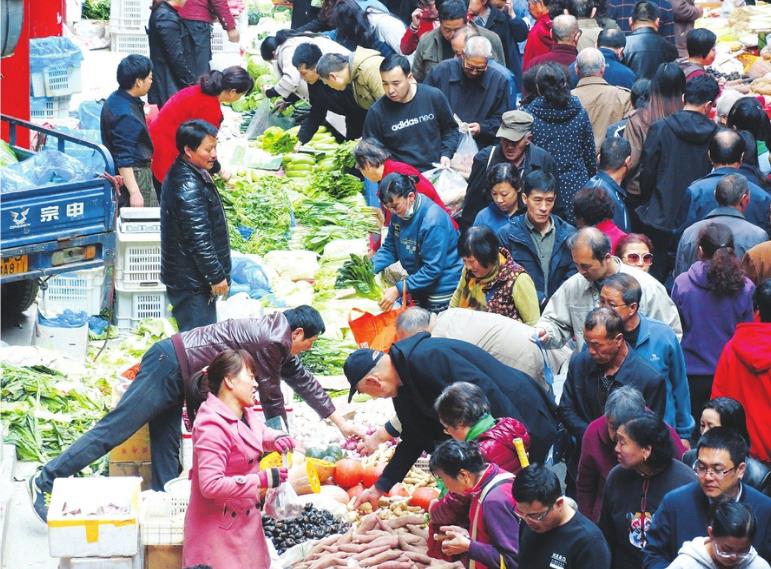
(375, 560)
(395, 565)
(328, 561)
(406, 520)
(370, 536)
(370, 552)
(367, 523)
(353, 547)
(418, 557)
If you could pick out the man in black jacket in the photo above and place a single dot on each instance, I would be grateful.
(645, 48)
(195, 248)
(675, 154)
(514, 147)
(416, 371)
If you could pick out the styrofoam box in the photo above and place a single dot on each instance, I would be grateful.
(80, 291)
(72, 342)
(135, 306)
(95, 535)
(134, 562)
(56, 82)
(129, 41)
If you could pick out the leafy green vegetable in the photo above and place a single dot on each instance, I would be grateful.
(327, 219)
(278, 141)
(359, 274)
(335, 184)
(327, 356)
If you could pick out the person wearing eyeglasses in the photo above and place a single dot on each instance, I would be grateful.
(656, 343)
(728, 542)
(685, 513)
(478, 94)
(636, 250)
(551, 532)
(647, 470)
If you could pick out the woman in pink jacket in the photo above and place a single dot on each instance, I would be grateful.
(223, 525)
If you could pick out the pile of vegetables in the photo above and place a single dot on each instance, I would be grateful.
(276, 140)
(399, 543)
(328, 219)
(311, 524)
(358, 273)
(327, 356)
(44, 412)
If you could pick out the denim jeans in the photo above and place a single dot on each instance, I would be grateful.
(155, 396)
(192, 309)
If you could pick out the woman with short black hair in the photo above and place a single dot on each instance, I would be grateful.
(505, 188)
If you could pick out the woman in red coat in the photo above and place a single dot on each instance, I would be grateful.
(201, 101)
(223, 524)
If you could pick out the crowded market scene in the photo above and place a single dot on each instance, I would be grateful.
(385, 284)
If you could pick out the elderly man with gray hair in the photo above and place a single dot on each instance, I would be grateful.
(565, 33)
(604, 103)
(478, 94)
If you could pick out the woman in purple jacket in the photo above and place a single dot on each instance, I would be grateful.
(712, 298)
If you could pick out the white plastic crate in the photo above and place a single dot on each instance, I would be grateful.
(163, 519)
(45, 108)
(80, 291)
(129, 14)
(133, 307)
(138, 266)
(129, 41)
(220, 42)
(56, 82)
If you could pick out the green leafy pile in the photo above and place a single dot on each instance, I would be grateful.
(259, 205)
(276, 140)
(343, 156)
(357, 272)
(335, 184)
(327, 356)
(44, 413)
(327, 219)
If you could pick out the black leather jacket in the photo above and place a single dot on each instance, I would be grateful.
(195, 248)
(645, 50)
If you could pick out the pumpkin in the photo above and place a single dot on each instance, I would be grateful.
(348, 473)
(324, 468)
(355, 492)
(336, 493)
(371, 474)
(422, 497)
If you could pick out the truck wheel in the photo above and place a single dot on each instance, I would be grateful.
(19, 295)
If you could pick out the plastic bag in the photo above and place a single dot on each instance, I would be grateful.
(463, 158)
(259, 121)
(59, 52)
(451, 187)
(44, 169)
(282, 503)
(7, 155)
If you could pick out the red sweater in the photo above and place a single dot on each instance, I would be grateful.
(424, 186)
(410, 38)
(539, 40)
(187, 104)
(612, 231)
(744, 373)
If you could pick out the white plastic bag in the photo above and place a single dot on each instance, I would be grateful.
(282, 503)
(463, 158)
(451, 187)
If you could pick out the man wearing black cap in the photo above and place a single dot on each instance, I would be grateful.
(415, 372)
(514, 147)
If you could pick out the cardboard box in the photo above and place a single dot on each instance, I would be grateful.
(163, 557)
(94, 517)
(143, 470)
(135, 449)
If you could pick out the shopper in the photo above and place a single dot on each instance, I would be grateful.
(674, 155)
(539, 39)
(564, 315)
(635, 250)
(505, 197)
(491, 539)
(198, 17)
(563, 50)
(538, 240)
(124, 131)
(491, 281)
(509, 27)
(414, 122)
(611, 42)
(757, 263)
(743, 373)
(424, 19)
(647, 48)
(654, 342)
(684, 13)
(433, 268)
(732, 198)
(551, 532)
(360, 70)
(561, 126)
(615, 163)
(202, 101)
(593, 207)
(749, 118)
(514, 147)
(728, 543)
(166, 36)
(229, 438)
(163, 381)
(647, 470)
(598, 454)
(712, 298)
(352, 28)
(685, 513)
(701, 53)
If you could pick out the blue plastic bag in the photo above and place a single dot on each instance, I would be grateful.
(45, 53)
(44, 169)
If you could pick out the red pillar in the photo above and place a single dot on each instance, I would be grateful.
(14, 80)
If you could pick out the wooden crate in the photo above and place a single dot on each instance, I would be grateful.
(163, 557)
(143, 469)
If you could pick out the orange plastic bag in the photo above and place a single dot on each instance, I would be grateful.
(376, 331)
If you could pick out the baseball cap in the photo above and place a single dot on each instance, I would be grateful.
(357, 365)
(514, 125)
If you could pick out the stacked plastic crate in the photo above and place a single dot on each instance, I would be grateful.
(54, 76)
(139, 292)
(128, 21)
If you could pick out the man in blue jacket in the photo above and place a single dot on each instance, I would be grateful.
(538, 239)
(656, 343)
(685, 512)
(615, 162)
(611, 43)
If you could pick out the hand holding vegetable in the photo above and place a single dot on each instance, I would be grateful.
(455, 540)
(371, 443)
(357, 272)
(390, 296)
(370, 496)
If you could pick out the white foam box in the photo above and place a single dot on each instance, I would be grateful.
(94, 517)
(135, 562)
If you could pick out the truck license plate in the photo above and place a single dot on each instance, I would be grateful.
(14, 265)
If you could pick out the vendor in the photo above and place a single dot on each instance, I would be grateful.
(415, 372)
(492, 537)
(422, 238)
(223, 525)
(163, 381)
